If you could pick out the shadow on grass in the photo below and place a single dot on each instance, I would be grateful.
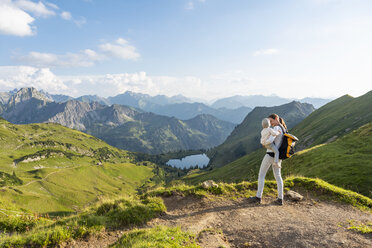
(60, 213)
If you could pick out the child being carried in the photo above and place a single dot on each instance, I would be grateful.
(267, 140)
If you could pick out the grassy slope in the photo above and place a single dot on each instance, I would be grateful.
(35, 231)
(347, 163)
(159, 236)
(334, 120)
(68, 177)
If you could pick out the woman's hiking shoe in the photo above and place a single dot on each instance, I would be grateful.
(279, 202)
(254, 199)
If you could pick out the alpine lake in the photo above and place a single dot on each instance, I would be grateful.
(199, 160)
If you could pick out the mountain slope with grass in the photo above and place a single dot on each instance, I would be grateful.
(334, 120)
(245, 138)
(346, 162)
(48, 168)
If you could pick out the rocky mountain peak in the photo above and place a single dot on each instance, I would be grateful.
(26, 94)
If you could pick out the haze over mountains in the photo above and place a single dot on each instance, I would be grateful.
(265, 101)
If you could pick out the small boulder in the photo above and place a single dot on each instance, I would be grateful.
(294, 196)
(209, 184)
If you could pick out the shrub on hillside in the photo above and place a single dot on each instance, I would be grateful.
(20, 223)
(125, 212)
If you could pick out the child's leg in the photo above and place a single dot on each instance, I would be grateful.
(276, 152)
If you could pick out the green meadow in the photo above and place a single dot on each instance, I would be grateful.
(48, 168)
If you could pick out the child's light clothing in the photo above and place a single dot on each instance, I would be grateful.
(268, 136)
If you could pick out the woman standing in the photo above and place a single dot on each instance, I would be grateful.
(278, 125)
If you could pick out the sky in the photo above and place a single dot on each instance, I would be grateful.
(204, 49)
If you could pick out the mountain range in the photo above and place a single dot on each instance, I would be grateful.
(122, 126)
(177, 106)
(232, 109)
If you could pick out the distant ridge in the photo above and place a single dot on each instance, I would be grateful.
(185, 111)
(237, 101)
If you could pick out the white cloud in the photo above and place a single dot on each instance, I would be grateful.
(80, 21)
(37, 59)
(121, 41)
(17, 17)
(66, 15)
(326, 1)
(15, 21)
(213, 87)
(52, 5)
(189, 6)
(104, 85)
(24, 76)
(109, 84)
(40, 59)
(265, 52)
(37, 9)
(121, 49)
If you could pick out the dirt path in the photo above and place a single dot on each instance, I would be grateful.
(304, 224)
(38, 180)
(243, 224)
